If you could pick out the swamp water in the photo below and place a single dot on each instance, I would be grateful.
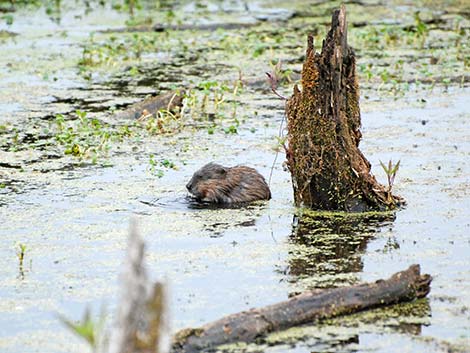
(71, 212)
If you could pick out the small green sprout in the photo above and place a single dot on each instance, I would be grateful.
(21, 253)
(391, 172)
(421, 28)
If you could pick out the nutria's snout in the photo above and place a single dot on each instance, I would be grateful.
(218, 184)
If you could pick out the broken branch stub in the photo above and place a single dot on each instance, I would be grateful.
(142, 321)
(328, 170)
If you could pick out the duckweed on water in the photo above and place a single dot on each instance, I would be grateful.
(158, 167)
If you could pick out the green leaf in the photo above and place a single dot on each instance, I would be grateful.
(395, 169)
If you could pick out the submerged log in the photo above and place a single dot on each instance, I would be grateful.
(171, 101)
(328, 170)
(183, 27)
(304, 308)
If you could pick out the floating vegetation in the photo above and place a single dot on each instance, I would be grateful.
(117, 50)
(86, 138)
(158, 167)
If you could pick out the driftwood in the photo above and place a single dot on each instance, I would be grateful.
(328, 170)
(171, 101)
(304, 308)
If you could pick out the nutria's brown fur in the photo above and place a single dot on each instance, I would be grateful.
(218, 184)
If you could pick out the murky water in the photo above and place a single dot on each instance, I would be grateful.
(73, 215)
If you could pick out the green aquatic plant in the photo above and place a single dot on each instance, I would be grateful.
(274, 77)
(214, 89)
(164, 121)
(446, 81)
(87, 328)
(8, 19)
(132, 5)
(232, 129)
(117, 49)
(422, 29)
(86, 138)
(385, 76)
(206, 87)
(281, 74)
(259, 50)
(281, 144)
(366, 70)
(219, 95)
(20, 254)
(391, 172)
(210, 98)
(158, 167)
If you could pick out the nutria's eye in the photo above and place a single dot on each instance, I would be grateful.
(221, 171)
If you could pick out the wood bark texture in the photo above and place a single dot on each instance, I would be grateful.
(141, 321)
(247, 326)
(328, 170)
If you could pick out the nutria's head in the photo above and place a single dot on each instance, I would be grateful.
(207, 183)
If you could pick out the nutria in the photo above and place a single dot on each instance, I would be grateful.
(218, 184)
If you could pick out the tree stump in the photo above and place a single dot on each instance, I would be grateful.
(328, 170)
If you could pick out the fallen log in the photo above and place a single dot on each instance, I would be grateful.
(329, 172)
(304, 308)
(170, 101)
(182, 27)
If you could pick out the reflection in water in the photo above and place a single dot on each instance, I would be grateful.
(213, 222)
(245, 216)
(185, 202)
(326, 246)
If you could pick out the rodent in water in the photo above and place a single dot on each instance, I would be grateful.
(218, 184)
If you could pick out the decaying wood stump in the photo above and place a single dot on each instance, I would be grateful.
(304, 308)
(328, 170)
